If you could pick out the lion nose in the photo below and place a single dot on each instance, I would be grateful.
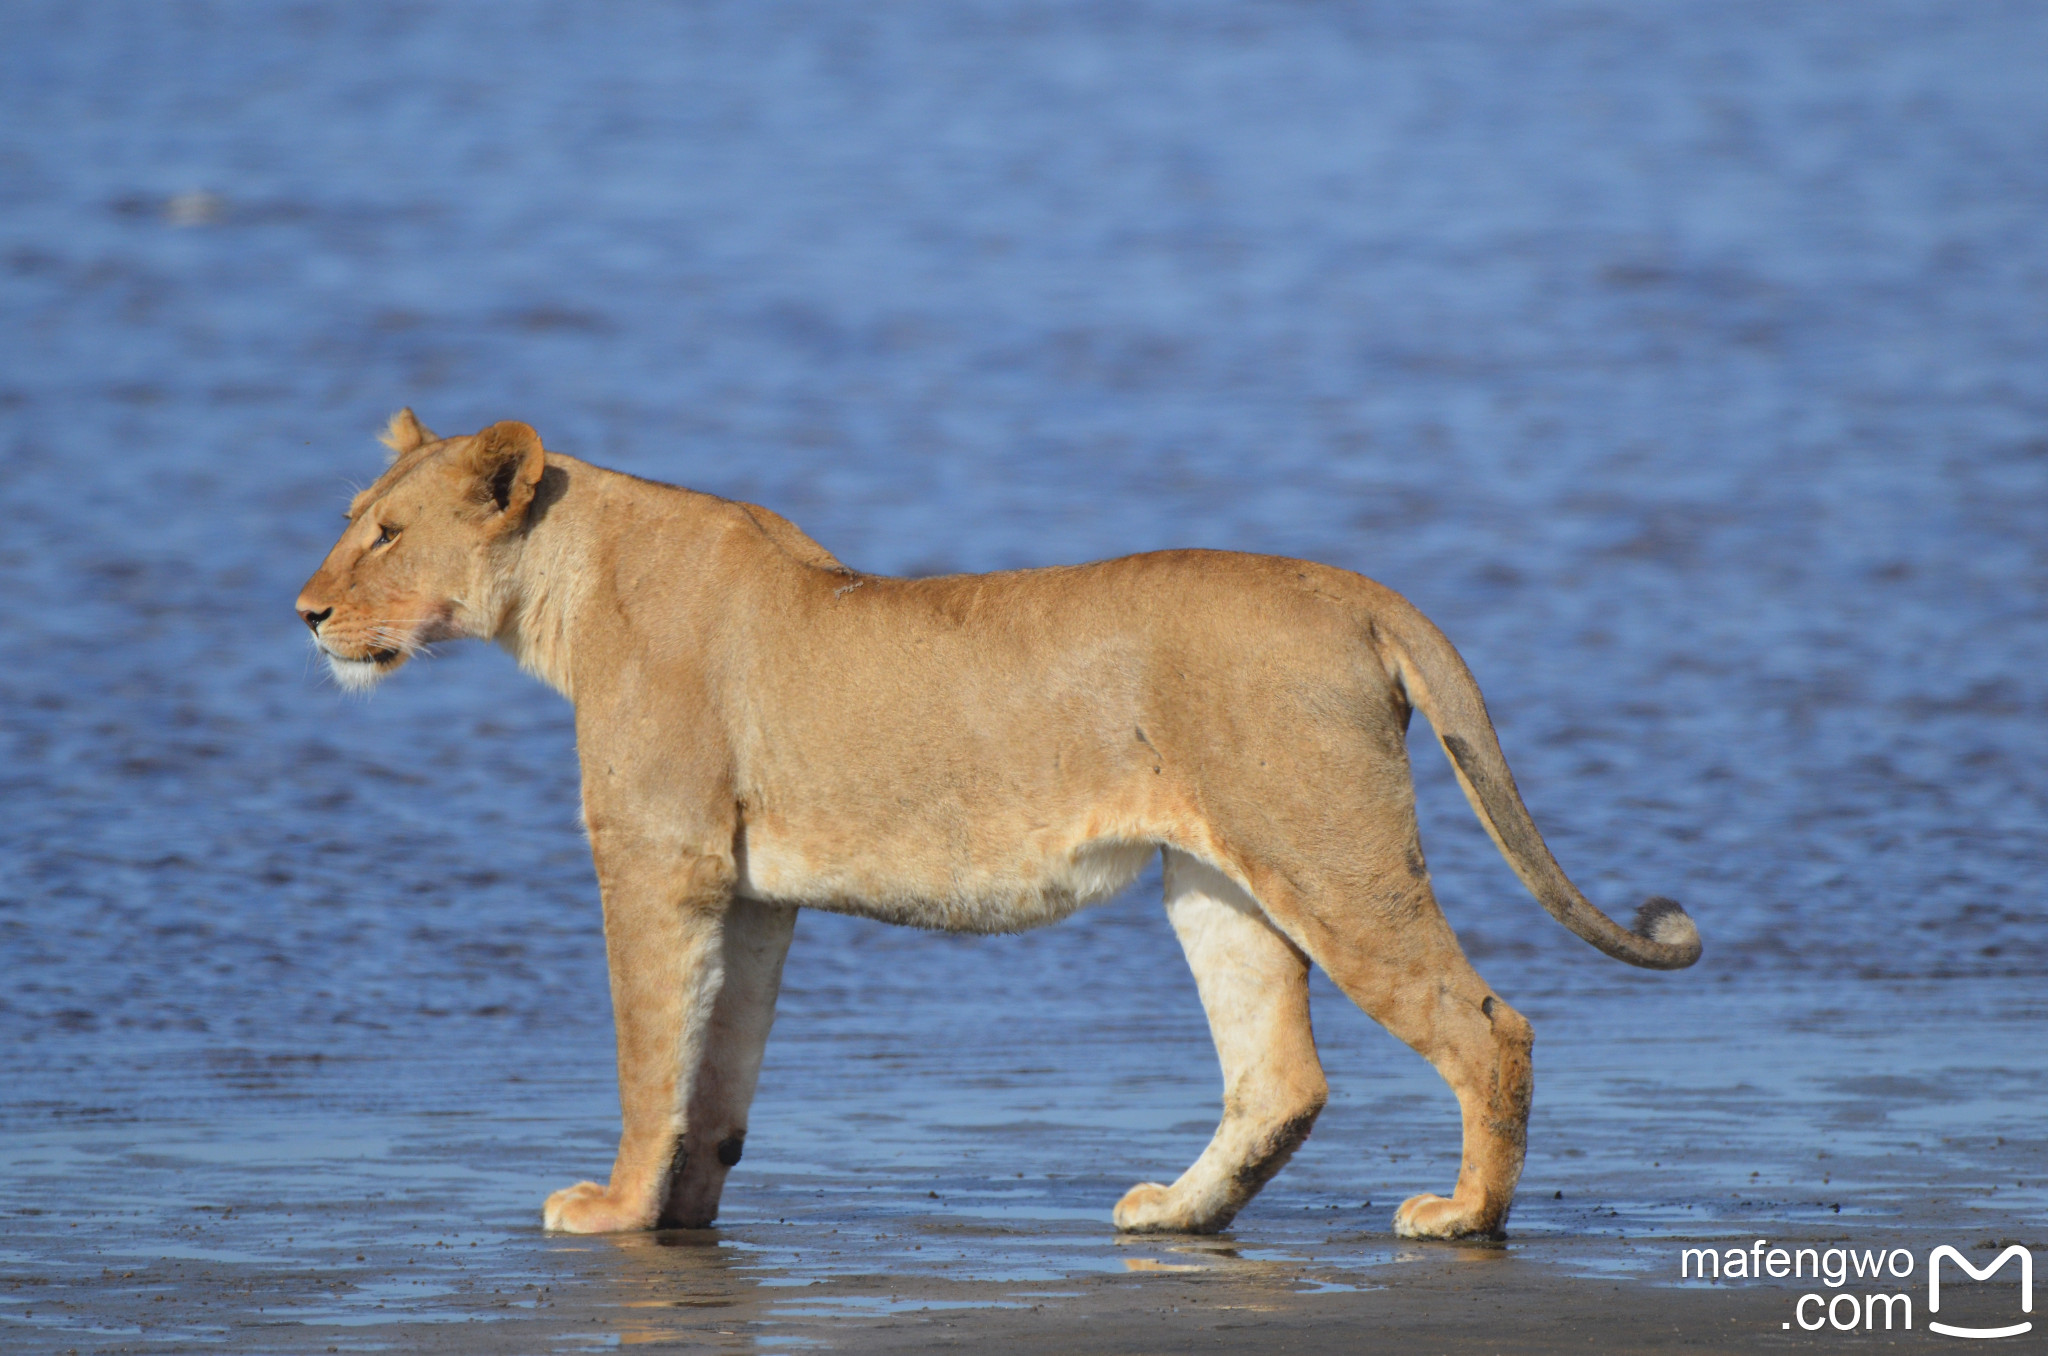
(313, 619)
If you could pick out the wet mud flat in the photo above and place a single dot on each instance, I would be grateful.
(905, 1193)
(1199, 1297)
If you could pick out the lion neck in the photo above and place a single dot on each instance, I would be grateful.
(559, 600)
(549, 583)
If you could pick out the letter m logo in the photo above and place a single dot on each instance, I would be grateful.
(1934, 1289)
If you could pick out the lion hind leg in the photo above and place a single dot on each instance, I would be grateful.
(1412, 977)
(1254, 987)
(1486, 1061)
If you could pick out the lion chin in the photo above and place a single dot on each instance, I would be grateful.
(360, 675)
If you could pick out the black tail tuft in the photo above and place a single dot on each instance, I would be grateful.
(1653, 909)
(1666, 922)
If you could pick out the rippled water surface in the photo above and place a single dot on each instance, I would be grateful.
(1684, 362)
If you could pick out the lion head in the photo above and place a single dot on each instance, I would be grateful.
(426, 548)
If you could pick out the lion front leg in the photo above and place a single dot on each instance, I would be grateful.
(754, 944)
(664, 922)
(1254, 987)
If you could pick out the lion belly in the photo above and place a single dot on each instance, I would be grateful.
(946, 891)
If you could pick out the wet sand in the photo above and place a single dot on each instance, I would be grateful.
(918, 1194)
(677, 1292)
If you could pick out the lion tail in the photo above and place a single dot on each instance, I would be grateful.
(1442, 688)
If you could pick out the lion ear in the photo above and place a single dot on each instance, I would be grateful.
(507, 462)
(405, 433)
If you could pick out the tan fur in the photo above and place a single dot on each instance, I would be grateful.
(762, 728)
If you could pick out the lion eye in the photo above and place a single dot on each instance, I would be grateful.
(386, 535)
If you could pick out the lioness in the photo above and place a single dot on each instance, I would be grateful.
(761, 727)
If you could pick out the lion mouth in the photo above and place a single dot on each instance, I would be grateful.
(381, 656)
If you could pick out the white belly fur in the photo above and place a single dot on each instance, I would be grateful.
(1024, 895)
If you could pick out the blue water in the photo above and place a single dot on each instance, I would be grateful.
(1684, 362)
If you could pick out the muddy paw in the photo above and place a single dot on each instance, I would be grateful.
(588, 1208)
(1428, 1216)
(1146, 1209)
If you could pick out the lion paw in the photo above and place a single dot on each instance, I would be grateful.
(1428, 1216)
(588, 1208)
(1147, 1209)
